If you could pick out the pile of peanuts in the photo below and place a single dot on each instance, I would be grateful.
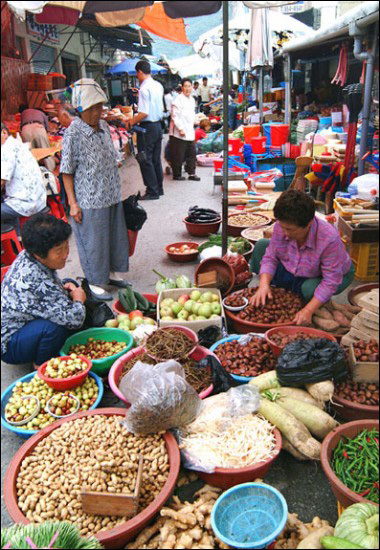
(281, 309)
(247, 220)
(252, 359)
(94, 453)
(365, 394)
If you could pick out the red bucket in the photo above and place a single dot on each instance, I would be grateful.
(279, 134)
(250, 132)
(234, 146)
(218, 165)
(258, 144)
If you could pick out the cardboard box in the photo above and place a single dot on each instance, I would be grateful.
(363, 371)
(370, 301)
(196, 326)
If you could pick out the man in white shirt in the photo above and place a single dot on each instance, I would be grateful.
(150, 111)
(182, 133)
(25, 191)
(204, 93)
(196, 95)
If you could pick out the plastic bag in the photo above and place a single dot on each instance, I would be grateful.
(97, 313)
(208, 336)
(160, 398)
(135, 215)
(217, 415)
(206, 145)
(307, 361)
(222, 381)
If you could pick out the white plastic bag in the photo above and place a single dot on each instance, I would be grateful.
(160, 398)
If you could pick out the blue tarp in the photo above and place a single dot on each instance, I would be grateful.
(128, 66)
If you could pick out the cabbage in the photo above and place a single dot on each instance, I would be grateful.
(359, 524)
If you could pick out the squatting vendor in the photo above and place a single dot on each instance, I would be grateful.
(305, 255)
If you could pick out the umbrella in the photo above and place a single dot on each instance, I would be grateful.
(128, 66)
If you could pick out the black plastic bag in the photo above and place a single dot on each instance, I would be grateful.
(135, 215)
(313, 360)
(221, 380)
(97, 313)
(208, 336)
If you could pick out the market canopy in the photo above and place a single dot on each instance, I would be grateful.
(128, 66)
(363, 15)
(194, 65)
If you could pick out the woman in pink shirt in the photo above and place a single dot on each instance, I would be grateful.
(305, 255)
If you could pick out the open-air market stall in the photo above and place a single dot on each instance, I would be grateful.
(200, 386)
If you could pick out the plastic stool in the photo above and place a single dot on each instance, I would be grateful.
(23, 219)
(3, 271)
(10, 245)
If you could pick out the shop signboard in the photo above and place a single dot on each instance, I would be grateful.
(298, 7)
(41, 30)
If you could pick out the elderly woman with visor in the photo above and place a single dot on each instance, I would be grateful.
(92, 183)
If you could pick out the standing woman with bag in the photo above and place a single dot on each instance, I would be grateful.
(92, 184)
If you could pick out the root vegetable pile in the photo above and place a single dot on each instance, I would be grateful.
(335, 317)
(366, 351)
(282, 339)
(166, 344)
(87, 394)
(65, 368)
(198, 378)
(297, 534)
(93, 453)
(98, 349)
(364, 394)
(255, 358)
(281, 309)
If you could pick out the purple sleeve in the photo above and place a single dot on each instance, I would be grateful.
(331, 268)
(269, 262)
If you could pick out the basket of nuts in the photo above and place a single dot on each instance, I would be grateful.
(278, 338)
(89, 394)
(65, 373)
(278, 312)
(101, 345)
(356, 400)
(109, 457)
(238, 222)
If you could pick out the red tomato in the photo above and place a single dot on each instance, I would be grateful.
(135, 313)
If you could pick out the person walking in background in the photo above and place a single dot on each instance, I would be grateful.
(168, 100)
(205, 95)
(195, 94)
(34, 126)
(92, 184)
(150, 111)
(182, 133)
(21, 178)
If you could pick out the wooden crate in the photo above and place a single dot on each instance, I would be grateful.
(363, 371)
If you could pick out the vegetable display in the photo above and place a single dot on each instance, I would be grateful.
(165, 283)
(170, 343)
(132, 300)
(281, 309)
(240, 266)
(196, 306)
(251, 359)
(183, 249)
(65, 368)
(297, 534)
(247, 220)
(97, 349)
(355, 462)
(334, 317)
(366, 351)
(362, 393)
(359, 524)
(108, 456)
(239, 245)
(202, 215)
(199, 379)
(87, 394)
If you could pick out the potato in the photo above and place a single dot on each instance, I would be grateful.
(329, 325)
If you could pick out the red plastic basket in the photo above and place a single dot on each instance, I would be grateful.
(234, 146)
(258, 144)
(63, 384)
(279, 134)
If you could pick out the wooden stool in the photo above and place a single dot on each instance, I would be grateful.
(10, 245)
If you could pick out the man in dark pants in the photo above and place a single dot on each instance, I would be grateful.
(150, 111)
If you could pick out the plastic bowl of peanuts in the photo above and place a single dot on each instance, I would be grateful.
(109, 462)
(238, 222)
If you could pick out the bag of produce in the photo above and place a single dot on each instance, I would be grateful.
(160, 398)
(206, 145)
(313, 360)
(221, 379)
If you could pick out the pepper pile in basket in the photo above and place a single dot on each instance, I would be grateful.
(252, 359)
(202, 215)
(356, 463)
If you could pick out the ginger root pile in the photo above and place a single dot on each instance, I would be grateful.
(296, 531)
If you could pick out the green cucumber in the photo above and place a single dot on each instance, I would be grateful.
(124, 302)
(142, 302)
(335, 543)
(130, 297)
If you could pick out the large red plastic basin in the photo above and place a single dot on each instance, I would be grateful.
(120, 535)
(229, 477)
(350, 410)
(116, 370)
(277, 350)
(344, 495)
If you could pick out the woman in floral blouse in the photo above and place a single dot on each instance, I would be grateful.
(37, 310)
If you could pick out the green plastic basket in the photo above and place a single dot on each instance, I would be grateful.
(100, 366)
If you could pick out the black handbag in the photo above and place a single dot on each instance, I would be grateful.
(97, 312)
(135, 215)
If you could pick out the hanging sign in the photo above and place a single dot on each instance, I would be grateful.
(298, 7)
(41, 30)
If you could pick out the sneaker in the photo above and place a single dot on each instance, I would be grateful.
(100, 294)
(149, 198)
(119, 283)
(179, 178)
(194, 178)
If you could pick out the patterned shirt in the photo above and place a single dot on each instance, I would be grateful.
(322, 255)
(91, 157)
(32, 291)
(25, 189)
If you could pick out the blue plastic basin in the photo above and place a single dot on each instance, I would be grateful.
(242, 379)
